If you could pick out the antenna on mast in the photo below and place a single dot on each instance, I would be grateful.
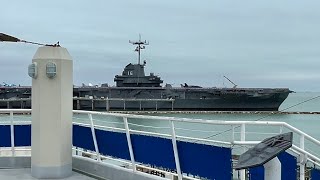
(140, 45)
(234, 85)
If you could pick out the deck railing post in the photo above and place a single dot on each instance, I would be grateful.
(302, 158)
(175, 151)
(94, 137)
(12, 134)
(125, 120)
(243, 138)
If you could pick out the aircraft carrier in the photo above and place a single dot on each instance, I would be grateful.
(135, 90)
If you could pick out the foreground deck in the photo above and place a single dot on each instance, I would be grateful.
(25, 174)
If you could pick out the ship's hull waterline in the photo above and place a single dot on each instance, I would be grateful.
(193, 99)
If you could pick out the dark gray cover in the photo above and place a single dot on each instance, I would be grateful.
(5, 37)
(265, 151)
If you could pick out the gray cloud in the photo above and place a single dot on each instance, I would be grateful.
(255, 43)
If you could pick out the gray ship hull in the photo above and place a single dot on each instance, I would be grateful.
(160, 98)
(184, 99)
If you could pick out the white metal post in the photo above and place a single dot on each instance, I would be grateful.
(175, 151)
(12, 134)
(302, 158)
(243, 138)
(272, 169)
(94, 138)
(125, 120)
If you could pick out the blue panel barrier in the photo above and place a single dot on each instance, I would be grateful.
(315, 174)
(256, 173)
(5, 140)
(153, 150)
(197, 159)
(22, 135)
(113, 144)
(288, 168)
(205, 160)
(82, 137)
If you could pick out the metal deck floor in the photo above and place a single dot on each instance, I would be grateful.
(25, 174)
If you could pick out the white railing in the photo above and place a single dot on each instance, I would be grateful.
(173, 129)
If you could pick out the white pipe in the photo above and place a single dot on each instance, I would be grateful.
(175, 151)
(125, 120)
(302, 158)
(94, 138)
(243, 138)
(272, 169)
(12, 133)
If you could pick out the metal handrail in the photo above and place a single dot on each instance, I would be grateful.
(304, 154)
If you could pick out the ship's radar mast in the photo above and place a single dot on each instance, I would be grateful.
(140, 45)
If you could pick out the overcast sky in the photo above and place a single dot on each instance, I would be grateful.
(256, 43)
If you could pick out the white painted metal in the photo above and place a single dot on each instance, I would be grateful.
(203, 121)
(125, 120)
(243, 138)
(302, 159)
(272, 169)
(175, 151)
(296, 149)
(12, 134)
(94, 137)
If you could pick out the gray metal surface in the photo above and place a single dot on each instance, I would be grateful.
(265, 151)
(25, 174)
(18, 168)
(108, 171)
(15, 162)
(52, 172)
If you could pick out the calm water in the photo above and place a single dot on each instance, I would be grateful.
(307, 123)
(301, 102)
(295, 102)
